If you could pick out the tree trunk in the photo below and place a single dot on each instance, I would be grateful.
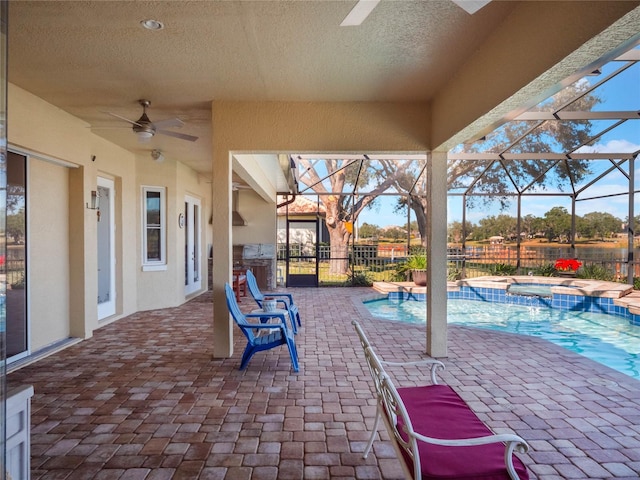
(339, 262)
(419, 207)
(338, 239)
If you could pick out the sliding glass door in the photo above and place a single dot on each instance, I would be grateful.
(16, 259)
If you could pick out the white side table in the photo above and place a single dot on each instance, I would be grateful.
(18, 424)
(266, 316)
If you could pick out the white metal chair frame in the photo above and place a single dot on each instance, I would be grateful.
(390, 406)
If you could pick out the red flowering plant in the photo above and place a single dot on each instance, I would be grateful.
(566, 264)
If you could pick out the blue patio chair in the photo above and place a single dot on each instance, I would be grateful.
(286, 299)
(261, 336)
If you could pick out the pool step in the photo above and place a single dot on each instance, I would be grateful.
(631, 301)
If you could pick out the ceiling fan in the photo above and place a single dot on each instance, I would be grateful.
(363, 8)
(145, 128)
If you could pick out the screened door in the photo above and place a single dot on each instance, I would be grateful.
(302, 253)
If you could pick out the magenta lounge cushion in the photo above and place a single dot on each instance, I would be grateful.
(438, 411)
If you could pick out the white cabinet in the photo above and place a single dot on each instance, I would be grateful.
(19, 432)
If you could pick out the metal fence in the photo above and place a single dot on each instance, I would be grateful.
(611, 264)
(384, 262)
(15, 268)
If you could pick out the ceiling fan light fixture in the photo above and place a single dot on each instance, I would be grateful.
(151, 24)
(144, 134)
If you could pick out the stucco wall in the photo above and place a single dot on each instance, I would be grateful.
(65, 159)
(165, 288)
(296, 127)
(48, 252)
(260, 217)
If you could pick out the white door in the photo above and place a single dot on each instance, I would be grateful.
(106, 249)
(192, 233)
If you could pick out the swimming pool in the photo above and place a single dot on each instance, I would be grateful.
(607, 339)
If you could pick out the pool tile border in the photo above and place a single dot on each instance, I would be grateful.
(603, 301)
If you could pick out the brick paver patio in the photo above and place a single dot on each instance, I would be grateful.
(143, 399)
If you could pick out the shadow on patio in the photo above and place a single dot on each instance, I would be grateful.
(143, 399)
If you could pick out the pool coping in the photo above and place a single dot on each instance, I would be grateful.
(617, 298)
(578, 286)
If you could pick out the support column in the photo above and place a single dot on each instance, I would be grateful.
(464, 236)
(518, 232)
(222, 253)
(83, 271)
(437, 254)
(573, 226)
(631, 227)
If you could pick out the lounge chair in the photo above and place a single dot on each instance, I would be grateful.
(284, 299)
(435, 433)
(262, 335)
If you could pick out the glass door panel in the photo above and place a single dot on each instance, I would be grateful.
(15, 261)
(106, 249)
(192, 232)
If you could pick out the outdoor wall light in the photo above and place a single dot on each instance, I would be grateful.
(95, 201)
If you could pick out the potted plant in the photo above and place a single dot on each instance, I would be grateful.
(567, 267)
(417, 265)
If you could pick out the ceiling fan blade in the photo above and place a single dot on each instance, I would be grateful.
(169, 123)
(182, 136)
(122, 118)
(471, 6)
(239, 186)
(359, 13)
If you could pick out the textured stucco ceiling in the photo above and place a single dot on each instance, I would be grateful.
(92, 57)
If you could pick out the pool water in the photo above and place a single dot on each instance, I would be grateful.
(607, 339)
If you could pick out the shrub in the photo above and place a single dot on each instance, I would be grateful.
(546, 270)
(502, 269)
(359, 279)
(454, 273)
(399, 273)
(594, 271)
(19, 284)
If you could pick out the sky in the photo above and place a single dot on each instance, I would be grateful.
(619, 94)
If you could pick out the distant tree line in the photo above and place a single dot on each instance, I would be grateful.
(368, 231)
(555, 225)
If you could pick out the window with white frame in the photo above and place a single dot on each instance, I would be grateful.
(154, 228)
